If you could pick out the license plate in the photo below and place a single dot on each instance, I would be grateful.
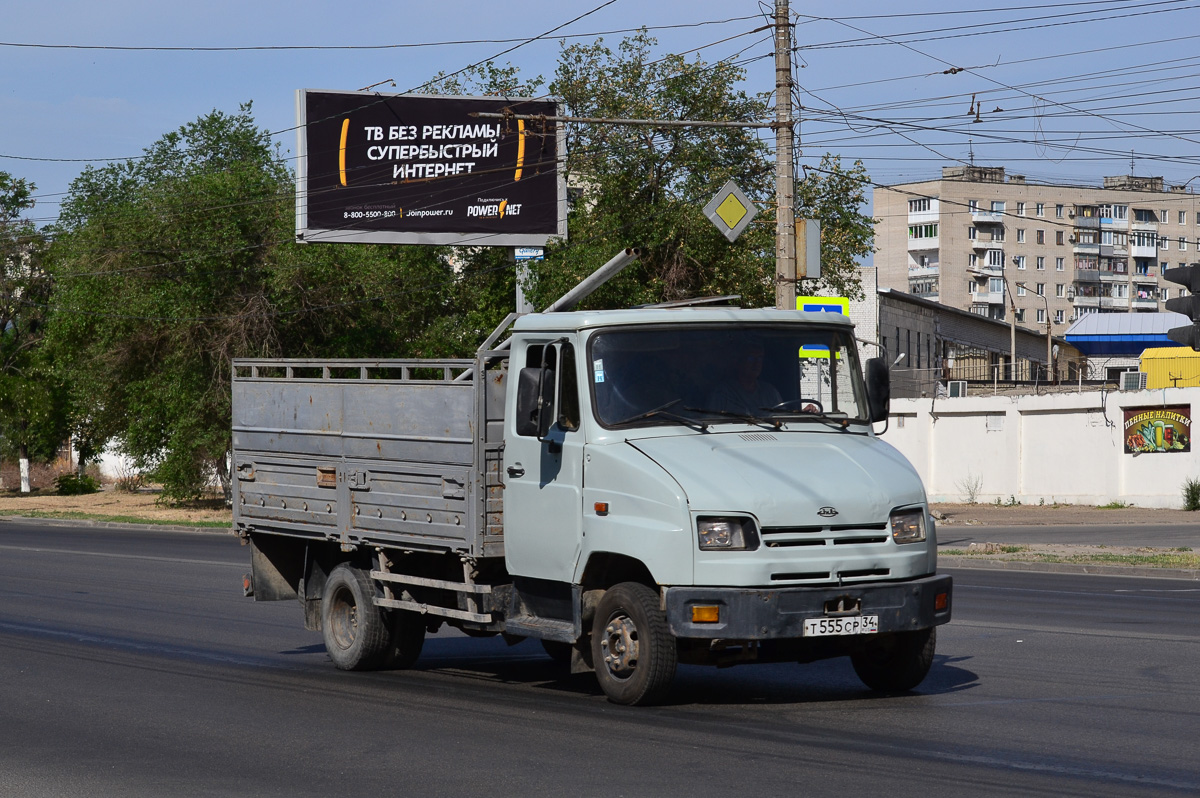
(852, 625)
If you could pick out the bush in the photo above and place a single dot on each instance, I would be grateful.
(1191, 493)
(73, 485)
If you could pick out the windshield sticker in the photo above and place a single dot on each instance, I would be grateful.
(598, 369)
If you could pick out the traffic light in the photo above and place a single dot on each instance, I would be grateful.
(1188, 277)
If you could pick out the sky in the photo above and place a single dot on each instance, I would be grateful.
(1060, 93)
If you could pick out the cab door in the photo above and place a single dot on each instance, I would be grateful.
(543, 494)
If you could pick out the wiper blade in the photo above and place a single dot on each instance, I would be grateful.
(841, 422)
(663, 412)
(749, 419)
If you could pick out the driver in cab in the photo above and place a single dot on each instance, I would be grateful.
(745, 392)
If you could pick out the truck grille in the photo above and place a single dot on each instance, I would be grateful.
(833, 535)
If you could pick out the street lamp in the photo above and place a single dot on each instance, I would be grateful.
(1012, 320)
(1049, 336)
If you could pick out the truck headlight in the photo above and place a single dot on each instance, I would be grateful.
(727, 533)
(908, 526)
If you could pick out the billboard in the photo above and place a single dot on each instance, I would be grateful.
(419, 169)
(1158, 429)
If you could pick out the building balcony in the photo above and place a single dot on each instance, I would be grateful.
(1116, 224)
(1114, 302)
(1086, 249)
(1087, 221)
(1151, 226)
(1139, 251)
(1145, 303)
(922, 244)
(1086, 301)
(988, 297)
(1109, 276)
(979, 243)
(987, 217)
(923, 217)
(923, 271)
(1087, 276)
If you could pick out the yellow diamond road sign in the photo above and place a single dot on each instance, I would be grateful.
(730, 210)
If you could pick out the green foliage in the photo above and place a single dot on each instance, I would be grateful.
(641, 186)
(169, 266)
(33, 419)
(1191, 493)
(74, 485)
(1115, 505)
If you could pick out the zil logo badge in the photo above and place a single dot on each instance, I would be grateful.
(827, 512)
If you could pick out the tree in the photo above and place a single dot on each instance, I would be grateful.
(168, 267)
(835, 196)
(33, 421)
(644, 186)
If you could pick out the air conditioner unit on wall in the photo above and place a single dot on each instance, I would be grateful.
(957, 387)
(1133, 381)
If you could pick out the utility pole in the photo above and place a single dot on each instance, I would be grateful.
(785, 214)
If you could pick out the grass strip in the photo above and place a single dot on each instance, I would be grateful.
(119, 519)
(1158, 559)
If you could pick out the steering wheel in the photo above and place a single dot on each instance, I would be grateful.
(799, 404)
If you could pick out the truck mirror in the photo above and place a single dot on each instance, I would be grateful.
(535, 402)
(879, 388)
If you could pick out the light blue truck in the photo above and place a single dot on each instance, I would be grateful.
(635, 488)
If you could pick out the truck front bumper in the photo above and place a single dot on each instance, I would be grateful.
(779, 613)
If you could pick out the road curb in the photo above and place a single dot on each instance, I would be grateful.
(89, 522)
(954, 561)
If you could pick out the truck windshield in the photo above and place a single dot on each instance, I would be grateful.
(725, 373)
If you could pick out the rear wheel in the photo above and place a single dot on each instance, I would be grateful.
(632, 647)
(897, 662)
(356, 635)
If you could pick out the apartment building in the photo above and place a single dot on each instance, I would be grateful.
(987, 242)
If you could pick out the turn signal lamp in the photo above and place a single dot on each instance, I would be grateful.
(706, 613)
(941, 601)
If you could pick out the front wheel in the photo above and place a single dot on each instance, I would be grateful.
(632, 647)
(897, 662)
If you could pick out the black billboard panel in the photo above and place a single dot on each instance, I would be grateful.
(419, 169)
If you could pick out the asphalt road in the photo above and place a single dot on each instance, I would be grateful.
(131, 665)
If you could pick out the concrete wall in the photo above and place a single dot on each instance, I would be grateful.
(1066, 448)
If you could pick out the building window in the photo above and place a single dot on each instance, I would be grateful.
(973, 260)
(997, 206)
(1041, 211)
(1162, 267)
(1164, 215)
(1058, 236)
(996, 285)
(1162, 242)
(1121, 290)
(1021, 236)
(972, 287)
(1020, 209)
(1058, 264)
(973, 206)
(1020, 260)
(1120, 212)
(922, 231)
(1041, 264)
(1058, 317)
(998, 235)
(1182, 244)
(1020, 289)
(1041, 289)
(996, 258)
(918, 205)
(1166, 294)
(1041, 315)
(1058, 290)
(1041, 236)
(972, 233)
(1197, 217)
(1020, 315)
(1183, 217)
(1058, 209)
